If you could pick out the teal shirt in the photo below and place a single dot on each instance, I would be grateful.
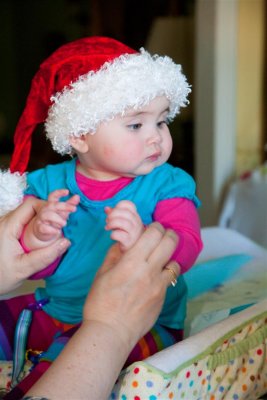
(68, 287)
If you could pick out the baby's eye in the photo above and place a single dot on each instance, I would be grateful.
(160, 124)
(134, 127)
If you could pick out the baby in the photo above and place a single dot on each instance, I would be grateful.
(126, 147)
(108, 106)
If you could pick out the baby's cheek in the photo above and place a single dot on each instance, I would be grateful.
(134, 150)
(124, 153)
(108, 151)
(168, 142)
(167, 148)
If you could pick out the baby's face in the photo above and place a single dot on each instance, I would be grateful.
(132, 144)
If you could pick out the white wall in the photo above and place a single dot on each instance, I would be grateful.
(227, 48)
(250, 52)
(215, 102)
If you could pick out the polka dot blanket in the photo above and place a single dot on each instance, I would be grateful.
(234, 367)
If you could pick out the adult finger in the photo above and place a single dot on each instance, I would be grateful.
(23, 214)
(163, 252)
(147, 243)
(36, 260)
(171, 273)
(113, 256)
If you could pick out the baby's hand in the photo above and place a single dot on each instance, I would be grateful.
(47, 225)
(125, 224)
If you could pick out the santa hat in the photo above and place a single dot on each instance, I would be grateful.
(80, 85)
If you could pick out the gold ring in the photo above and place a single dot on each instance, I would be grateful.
(173, 275)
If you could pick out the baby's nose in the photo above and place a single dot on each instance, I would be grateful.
(154, 137)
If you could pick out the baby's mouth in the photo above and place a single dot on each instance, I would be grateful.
(154, 157)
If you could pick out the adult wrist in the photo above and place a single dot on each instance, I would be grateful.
(119, 335)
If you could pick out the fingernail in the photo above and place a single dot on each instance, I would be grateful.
(174, 235)
(158, 226)
(64, 244)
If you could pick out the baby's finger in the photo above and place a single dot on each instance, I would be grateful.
(61, 207)
(74, 200)
(48, 229)
(116, 216)
(126, 205)
(122, 212)
(57, 194)
(123, 238)
(108, 210)
(53, 219)
(120, 223)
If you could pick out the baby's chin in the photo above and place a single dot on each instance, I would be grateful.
(145, 170)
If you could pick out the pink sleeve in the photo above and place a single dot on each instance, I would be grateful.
(181, 215)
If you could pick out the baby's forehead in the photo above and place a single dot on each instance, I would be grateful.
(159, 104)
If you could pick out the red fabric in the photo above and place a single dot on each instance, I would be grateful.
(64, 66)
(41, 332)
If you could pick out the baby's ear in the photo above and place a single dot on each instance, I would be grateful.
(79, 144)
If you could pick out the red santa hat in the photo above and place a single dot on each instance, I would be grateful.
(80, 85)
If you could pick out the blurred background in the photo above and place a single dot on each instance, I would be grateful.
(221, 45)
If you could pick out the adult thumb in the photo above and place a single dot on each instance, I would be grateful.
(38, 259)
(113, 256)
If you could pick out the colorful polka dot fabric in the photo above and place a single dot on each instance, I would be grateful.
(233, 368)
(6, 368)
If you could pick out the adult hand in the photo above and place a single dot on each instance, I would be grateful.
(123, 304)
(129, 289)
(15, 265)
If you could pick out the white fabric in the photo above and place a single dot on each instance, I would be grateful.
(220, 242)
(169, 359)
(129, 81)
(12, 187)
(245, 207)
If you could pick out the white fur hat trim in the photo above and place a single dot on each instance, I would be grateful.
(129, 81)
(12, 187)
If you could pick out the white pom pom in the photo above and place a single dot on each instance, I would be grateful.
(12, 187)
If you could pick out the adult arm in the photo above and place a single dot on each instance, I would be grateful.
(15, 265)
(123, 304)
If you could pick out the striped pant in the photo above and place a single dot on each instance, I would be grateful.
(49, 336)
